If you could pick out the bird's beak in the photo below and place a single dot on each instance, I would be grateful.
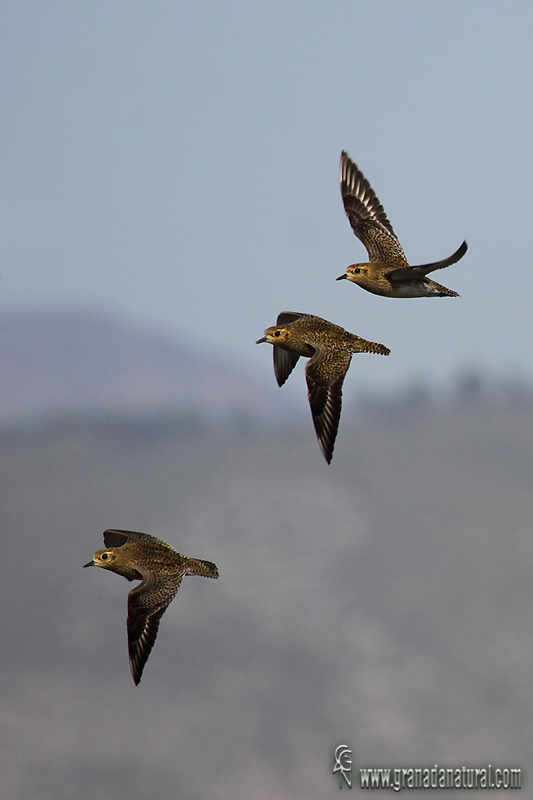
(260, 341)
(341, 277)
(90, 564)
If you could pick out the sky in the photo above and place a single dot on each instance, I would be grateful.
(176, 164)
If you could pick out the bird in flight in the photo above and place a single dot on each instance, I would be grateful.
(388, 272)
(329, 349)
(138, 556)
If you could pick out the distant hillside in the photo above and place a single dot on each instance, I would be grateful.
(88, 362)
(383, 602)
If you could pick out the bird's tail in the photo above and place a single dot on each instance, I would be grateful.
(195, 566)
(371, 347)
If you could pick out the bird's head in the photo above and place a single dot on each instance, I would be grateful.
(103, 558)
(277, 335)
(357, 273)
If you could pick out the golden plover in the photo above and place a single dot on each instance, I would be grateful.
(138, 556)
(329, 349)
(388, 272)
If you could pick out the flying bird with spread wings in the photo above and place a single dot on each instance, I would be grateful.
(138, 556)
(329, 349)
(388, 272)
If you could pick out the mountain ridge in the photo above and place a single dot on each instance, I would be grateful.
(86, 362)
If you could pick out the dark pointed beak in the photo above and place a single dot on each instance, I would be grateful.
(260, 341)
(341, 277)
(90, 564)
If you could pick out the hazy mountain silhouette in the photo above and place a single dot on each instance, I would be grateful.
(86, 362)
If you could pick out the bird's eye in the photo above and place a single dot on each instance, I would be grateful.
(357, 271)
(277, 333)
(104, 556)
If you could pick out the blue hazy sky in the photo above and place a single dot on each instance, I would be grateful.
(177, 163)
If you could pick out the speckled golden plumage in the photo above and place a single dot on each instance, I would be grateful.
(329, 349)
(138, 556)
(387, 273)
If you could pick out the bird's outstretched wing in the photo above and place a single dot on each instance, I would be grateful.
(285, 360)
(367, 216)
(284, 317)
(117, 538)
(422, 269)
(324, 390)
(284, 363)
(147, 603)
(326, 403)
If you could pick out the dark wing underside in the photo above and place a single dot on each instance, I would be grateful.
(325, 373)
(326, 404)
(422, 270)
(146, 605)
(367, 216)
(117, 538)
(284, 363)
(285, 360)
(142, 633)
(284, 317)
